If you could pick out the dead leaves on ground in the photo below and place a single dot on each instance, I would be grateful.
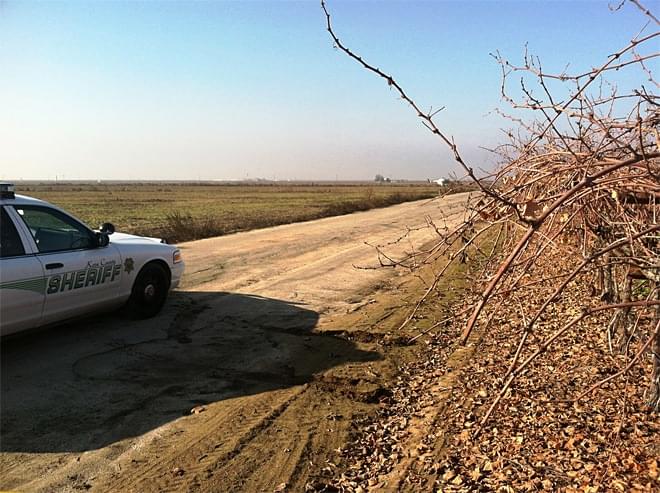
(538, 439)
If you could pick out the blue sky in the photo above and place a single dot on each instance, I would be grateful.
(231, 90)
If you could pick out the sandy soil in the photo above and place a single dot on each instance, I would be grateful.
(247, 381)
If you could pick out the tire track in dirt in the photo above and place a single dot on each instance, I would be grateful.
(214, 436)
(220, 434)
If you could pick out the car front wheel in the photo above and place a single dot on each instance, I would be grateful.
(149, 291)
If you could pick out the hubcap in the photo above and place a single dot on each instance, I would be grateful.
(149, 292)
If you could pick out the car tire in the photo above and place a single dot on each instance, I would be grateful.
(149, 291)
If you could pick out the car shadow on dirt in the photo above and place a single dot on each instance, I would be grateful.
(89, 384)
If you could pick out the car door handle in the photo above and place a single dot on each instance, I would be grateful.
(55, 265)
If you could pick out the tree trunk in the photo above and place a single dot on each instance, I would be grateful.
(608, 294)
(654, 391)
(622, 321)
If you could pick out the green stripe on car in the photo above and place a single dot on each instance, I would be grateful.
(36, 284)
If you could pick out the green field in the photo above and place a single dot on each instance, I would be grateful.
(185, 211)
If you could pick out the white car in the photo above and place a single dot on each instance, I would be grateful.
(53, 267)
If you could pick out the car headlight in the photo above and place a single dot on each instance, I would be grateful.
(176, 257)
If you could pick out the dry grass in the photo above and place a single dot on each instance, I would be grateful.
(181, 212)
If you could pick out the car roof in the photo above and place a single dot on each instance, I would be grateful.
(23, 200)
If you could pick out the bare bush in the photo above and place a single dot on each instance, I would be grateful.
(579, 179)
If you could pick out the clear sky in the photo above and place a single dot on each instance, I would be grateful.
(233, 90)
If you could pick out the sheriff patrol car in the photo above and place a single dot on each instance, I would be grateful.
(53, 267)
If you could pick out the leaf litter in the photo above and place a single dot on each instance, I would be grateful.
(539, 438)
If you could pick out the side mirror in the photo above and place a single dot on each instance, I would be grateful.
(102, 240)
(107, 228)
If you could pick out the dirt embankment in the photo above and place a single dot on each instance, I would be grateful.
(250, 380)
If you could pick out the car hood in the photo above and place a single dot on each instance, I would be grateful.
(126, 239)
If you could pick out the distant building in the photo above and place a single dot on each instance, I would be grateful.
(440, 181)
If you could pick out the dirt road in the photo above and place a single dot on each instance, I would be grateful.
(249, 379)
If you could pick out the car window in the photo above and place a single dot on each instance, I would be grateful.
(10, 243)
(54, 231)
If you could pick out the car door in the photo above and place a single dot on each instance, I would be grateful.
(22, 281)
(80, 276)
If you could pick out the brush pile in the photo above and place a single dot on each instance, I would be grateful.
(566, 234)
(579, 181)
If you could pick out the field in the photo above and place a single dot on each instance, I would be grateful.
(185, 211)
